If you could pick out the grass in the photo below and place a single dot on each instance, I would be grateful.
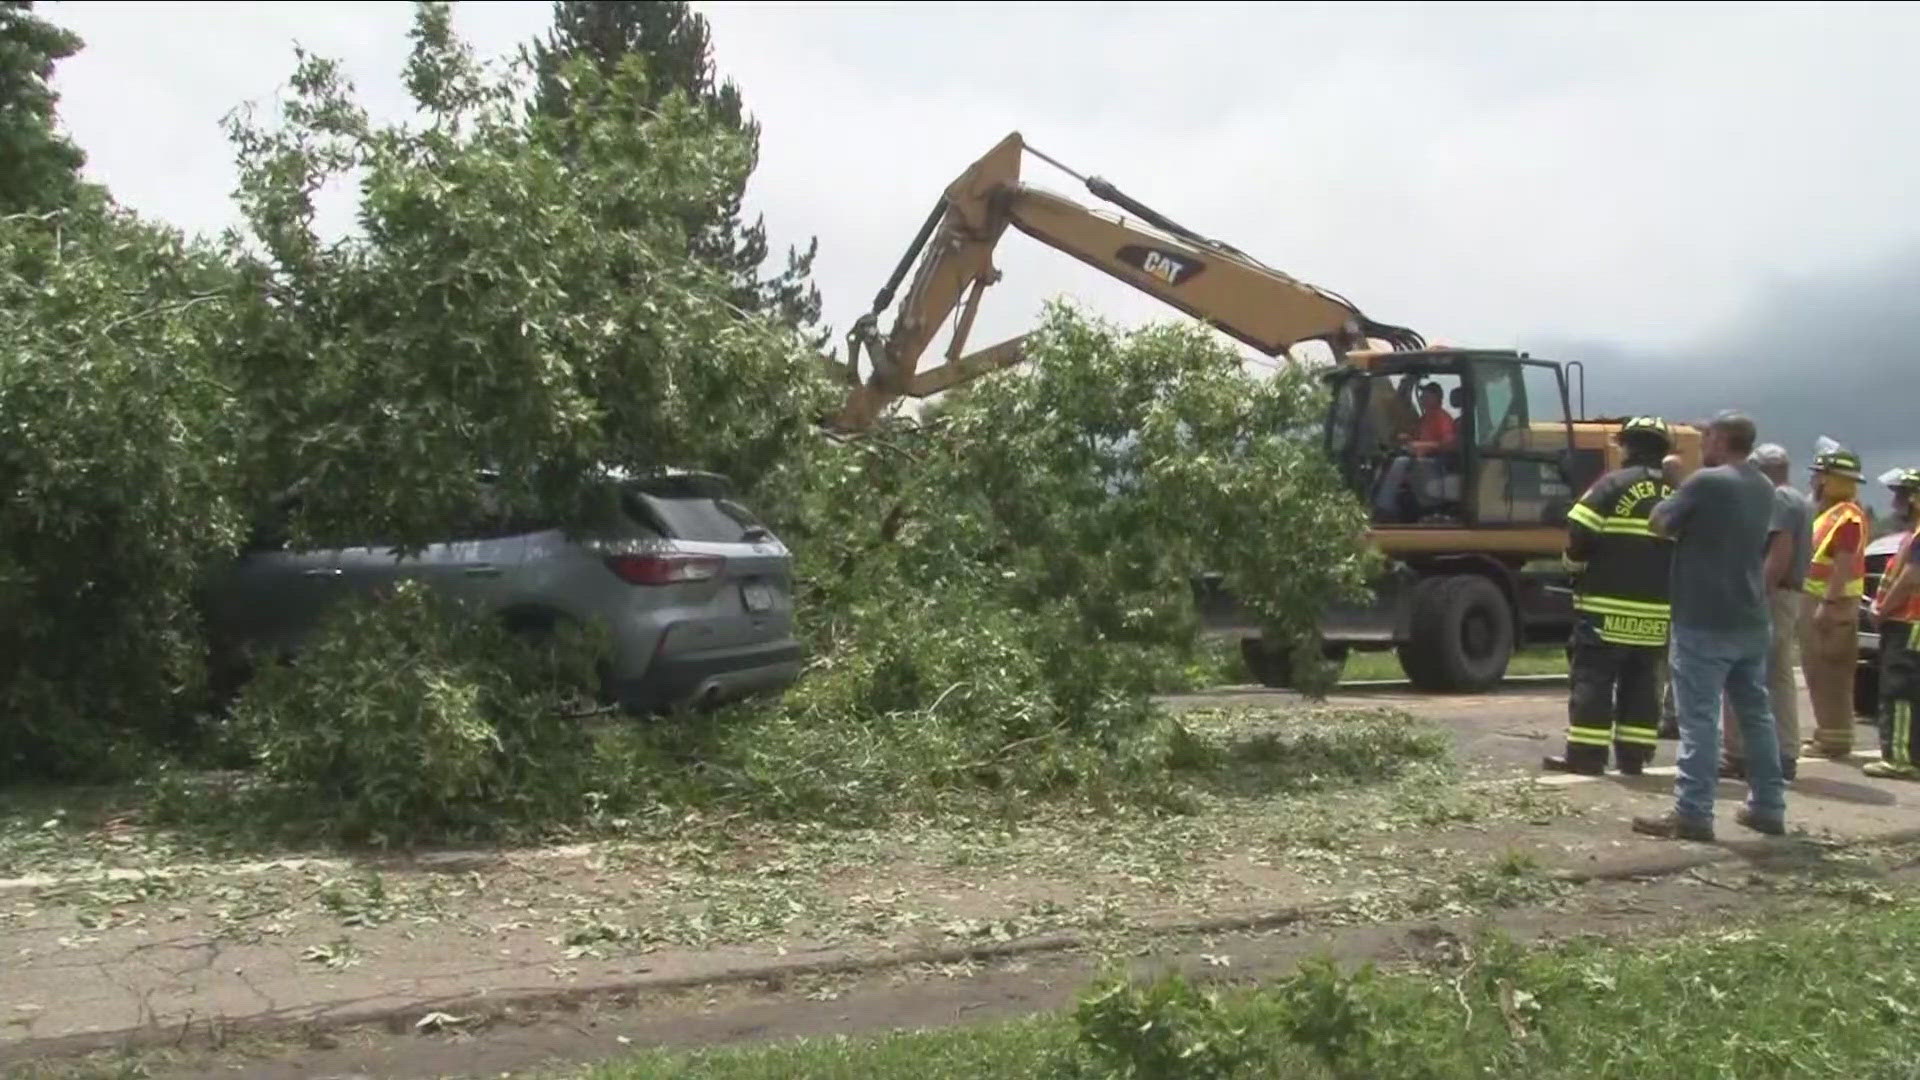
(1385, 666)
(1832, 995)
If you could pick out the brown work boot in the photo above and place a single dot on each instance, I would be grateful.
(1674, 827)
(1770, 826)
(1814, 749)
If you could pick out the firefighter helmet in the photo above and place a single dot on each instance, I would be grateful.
(1839, 462)
(1907, 480)
(1647, 427)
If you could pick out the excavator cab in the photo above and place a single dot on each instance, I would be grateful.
(1455, 439)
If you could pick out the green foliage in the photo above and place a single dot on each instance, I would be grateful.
(1357, 1032)
(944, 698)
(39, 166)
(677, 49)
(1168, 1030)
(406, 718)
(504, 302)
(992, 595)
(1309, 751)
(1079, 494)
(117, 456)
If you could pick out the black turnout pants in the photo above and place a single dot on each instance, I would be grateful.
(1615, 701)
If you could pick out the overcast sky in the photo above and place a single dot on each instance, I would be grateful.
(1711, 204)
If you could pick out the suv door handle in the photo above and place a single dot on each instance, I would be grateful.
(322, 571)
(482, 570)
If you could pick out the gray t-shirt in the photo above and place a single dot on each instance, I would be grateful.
(1720, 519)
(1793, 514)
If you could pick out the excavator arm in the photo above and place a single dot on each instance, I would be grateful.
(1218, 284)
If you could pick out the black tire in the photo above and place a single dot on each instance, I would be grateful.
(1270, 665)
(1461, 635)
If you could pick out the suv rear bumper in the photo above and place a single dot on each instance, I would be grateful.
(706, 679)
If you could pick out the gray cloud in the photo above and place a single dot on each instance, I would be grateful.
(1834, 355)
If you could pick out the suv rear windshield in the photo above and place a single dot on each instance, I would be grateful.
(691, 508)
(714, 520)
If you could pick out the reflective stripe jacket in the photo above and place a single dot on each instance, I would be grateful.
(1825, 528)
(1622, 569)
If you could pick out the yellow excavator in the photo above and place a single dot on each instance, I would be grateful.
(1472, 531)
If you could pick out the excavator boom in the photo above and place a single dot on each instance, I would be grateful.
(1215, 283)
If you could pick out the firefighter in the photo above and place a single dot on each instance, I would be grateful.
(1830, 646)
(1621, 611)
(1896, 607)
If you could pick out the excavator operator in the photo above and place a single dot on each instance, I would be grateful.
(1434, 434)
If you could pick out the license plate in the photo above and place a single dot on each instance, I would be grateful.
(758, 597)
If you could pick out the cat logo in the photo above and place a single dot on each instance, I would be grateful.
(1164, 266)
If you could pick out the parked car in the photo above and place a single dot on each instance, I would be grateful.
(695, 592)
(1866, 675)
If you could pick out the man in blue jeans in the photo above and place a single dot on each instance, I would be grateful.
(1719, 520)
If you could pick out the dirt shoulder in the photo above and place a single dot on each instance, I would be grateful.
(199, 956)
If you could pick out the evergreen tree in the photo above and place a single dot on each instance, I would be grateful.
(39, 167)
(677, 47)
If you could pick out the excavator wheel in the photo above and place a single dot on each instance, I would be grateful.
(1461, 635)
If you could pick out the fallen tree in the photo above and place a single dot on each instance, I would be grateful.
(990, 596)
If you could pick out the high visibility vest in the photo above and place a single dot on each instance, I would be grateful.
(1909, 611)
(1821, 569)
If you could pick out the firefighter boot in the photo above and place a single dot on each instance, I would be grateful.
(1631, 758)
(1580, 758)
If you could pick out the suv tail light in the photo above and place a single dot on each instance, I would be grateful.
(665, 569)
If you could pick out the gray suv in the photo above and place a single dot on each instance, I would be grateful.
(696, 593)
